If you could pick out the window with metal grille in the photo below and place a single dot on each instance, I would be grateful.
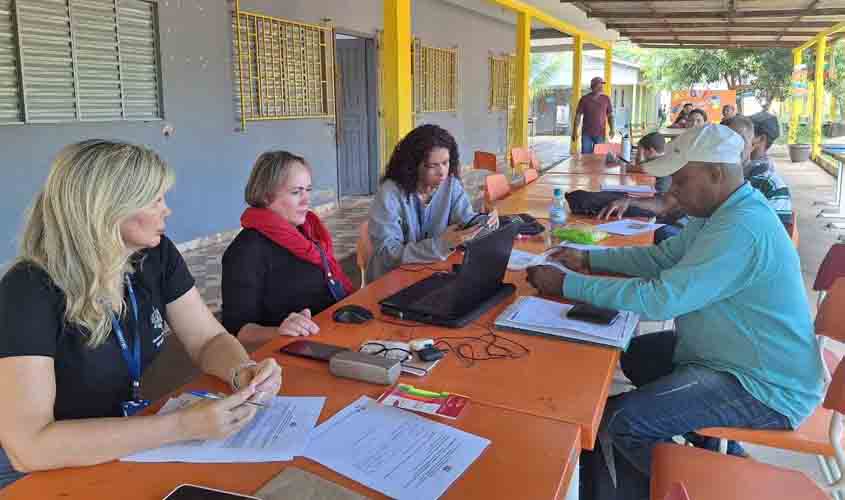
(283, 69)
(435, 78)
(501, 82)
(78, 60)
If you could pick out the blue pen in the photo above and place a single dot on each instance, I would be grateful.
(211, 395)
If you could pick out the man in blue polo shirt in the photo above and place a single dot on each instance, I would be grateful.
(743, 353)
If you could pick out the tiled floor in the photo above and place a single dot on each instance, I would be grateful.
(807, 182)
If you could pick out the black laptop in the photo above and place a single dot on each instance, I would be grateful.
(455, 299)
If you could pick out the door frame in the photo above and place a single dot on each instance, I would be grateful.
(372, 72)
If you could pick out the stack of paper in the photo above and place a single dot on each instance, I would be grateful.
(546, 317)
(393, 451)
(277, 433)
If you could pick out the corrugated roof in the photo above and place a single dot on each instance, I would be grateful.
(716, 23)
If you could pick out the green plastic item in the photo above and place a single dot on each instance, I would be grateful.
(582, 236)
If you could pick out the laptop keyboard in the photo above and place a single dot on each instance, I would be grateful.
(442, 299)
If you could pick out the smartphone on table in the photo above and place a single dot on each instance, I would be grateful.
(194, 492)
(312, 350)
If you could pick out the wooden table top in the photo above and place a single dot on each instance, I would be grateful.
(529, 457)
(565, 381)
(554, 397)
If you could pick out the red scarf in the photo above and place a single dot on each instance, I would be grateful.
(300, 242)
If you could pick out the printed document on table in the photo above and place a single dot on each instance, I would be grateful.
(277, 433)
(394, 451)
(534, 315)
(534, 311)
(628, 227)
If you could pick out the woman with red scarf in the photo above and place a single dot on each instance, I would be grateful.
(281, 268)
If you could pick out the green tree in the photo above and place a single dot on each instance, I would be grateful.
(544, 69)
(767, 72)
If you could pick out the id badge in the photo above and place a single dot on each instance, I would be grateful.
(132, 407)
(336, 289)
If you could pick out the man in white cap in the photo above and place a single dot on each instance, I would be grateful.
(743, 353)
(597, 111)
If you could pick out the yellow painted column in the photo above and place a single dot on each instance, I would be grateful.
(523, 73)
(398, 95)
(795, 119)
(608, 76)
(818, 106)
(577, 68)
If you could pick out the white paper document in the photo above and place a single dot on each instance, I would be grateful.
(628, 227)
(546, 317)
(628, 189)
(521, 261)
(277, 433)
(394, 451)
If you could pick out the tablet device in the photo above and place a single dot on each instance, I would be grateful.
(312, 350)
(193, 492)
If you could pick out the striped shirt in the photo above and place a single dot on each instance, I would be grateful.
(763, 177)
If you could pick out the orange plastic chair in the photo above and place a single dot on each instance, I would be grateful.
(530, 175)
(711, 476)
(520, 157)
(497, 188)
(484, 161)
(607, 147)
(363, 250)
(821, 434)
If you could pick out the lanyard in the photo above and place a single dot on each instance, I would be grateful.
(335, 287)
(133, 359)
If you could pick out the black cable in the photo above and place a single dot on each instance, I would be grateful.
(464, 349)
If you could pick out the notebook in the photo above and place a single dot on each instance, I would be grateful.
(538, 316)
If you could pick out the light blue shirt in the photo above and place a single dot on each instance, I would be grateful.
(733, 284)
(402, 231)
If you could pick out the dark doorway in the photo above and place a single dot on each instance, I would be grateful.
(357, 152)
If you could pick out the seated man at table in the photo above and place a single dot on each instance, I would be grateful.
(683, 116)
(743, 353)
(759, 133)
(663, 204)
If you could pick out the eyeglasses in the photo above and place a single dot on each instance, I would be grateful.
(378, 349)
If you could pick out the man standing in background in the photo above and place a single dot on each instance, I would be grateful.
(597, 111)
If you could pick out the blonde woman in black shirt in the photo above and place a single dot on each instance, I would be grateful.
(82, 313)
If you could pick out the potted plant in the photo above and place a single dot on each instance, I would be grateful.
(800, 150)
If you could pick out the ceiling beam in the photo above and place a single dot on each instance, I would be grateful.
(721, 24)
(710, 44)
(722, 14)
(808, 12)
(642, 34)
(547, 33)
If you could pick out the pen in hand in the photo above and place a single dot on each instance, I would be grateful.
(211, 395)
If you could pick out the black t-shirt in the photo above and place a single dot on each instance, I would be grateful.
(264, 282)
(90, 383)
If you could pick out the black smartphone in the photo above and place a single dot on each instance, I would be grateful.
(476, 220)
(193, 492)
(312, 350)
(592, 314)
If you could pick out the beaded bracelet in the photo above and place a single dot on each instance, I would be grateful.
(236, 371)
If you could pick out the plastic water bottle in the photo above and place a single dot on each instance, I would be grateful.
(557, 212)
(626, 145)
